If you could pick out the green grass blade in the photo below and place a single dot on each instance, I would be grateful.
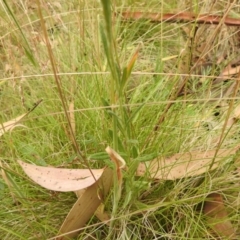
(28, 49)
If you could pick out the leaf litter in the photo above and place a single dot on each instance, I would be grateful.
(86, 205)
(11, 124)
(91, 193)
(91, 200)
(59, 179)
(217, 216)
(8, 127)
(182, 165)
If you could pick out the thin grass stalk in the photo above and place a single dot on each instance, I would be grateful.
(62, 96)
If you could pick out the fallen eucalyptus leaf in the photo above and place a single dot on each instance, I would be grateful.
(229, 70)
(86, 205)
(59, 179)
(79, 192)
(217, 216)
(184, 164)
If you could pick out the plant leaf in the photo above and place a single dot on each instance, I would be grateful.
(80, 192)
(6, 179)
(217, 215)
(116, 158)
(72, 117)
(86, 205)
(101, 215)
(7, 126)
(184, 164)
(128, 69)
(60, 179)
(236, 112)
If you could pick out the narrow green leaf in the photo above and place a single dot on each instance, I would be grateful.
(28, 52)
(29, 56)
(123, 79)
(147, 157)
(104, 41)
(99, 156)
(134, 151)
(128, 69)
(108, 17)
(105, 102)
(9, 231)
(120, 145)
(132, 62)
(119, 123)
(135, 114)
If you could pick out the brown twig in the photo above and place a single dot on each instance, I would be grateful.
(180, 17)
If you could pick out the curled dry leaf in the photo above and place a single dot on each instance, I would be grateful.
(117, 159)
(184, 164)
(59, 179)
(7, 126)
(86, 205)
(217, 216)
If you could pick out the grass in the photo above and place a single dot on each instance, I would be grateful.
(89, 77)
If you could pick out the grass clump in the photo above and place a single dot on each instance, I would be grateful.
(124, 78)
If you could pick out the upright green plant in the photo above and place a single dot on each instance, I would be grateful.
(119, 78)
(112, 59)
(122, 130)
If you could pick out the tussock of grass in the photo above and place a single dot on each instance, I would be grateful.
(146, 210)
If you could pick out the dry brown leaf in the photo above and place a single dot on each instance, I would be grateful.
(183, 165)
(229, 70)
(86, 205)
(60, 179)
(72, 117)
(101, 215)
(79, 193)
(7, 126)
(236, 113)
(217, 216)
(117, 159)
